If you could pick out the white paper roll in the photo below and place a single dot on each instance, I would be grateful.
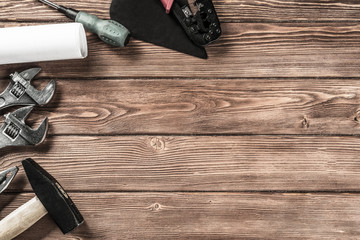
(42, 43)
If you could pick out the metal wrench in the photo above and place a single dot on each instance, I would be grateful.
(15, 132)
(21, 92)
(6, 177)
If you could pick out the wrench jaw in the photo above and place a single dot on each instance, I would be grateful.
(6, 177)
(44, 96)
(20, 114)
(15, 132)
(21, 92)
(38, 136)
(29, 74)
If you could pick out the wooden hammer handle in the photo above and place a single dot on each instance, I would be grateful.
(21, 219)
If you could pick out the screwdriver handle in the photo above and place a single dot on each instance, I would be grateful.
(109, 31)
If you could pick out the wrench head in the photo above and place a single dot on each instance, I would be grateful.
(22, 81)
(20, 133)
(38, 136)
(21, 114)
(44, 96)
(21, 92)
(29, 74)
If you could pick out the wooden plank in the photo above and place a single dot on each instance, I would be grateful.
(228, 10)
(168, 163)
(245, 50)
(204, 216)
(198, 106)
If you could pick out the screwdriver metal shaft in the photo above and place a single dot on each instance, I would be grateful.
(50, 4)
(109, 31)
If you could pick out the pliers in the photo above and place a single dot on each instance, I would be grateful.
(6, 177)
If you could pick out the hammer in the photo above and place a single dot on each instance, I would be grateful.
(50, 198)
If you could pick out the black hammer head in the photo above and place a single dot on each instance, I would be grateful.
(54, 198)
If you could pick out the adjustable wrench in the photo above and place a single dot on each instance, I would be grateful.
(21, 92)
(15, 132)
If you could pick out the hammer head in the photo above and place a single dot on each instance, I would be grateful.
(31, 136)
(54, 198)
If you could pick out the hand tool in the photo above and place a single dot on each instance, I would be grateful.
(21, 92)
(202, 28)
(50, 198)
(15, 132)
(109, 31)
(6, 177)
(147, 21)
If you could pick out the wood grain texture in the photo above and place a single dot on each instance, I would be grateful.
(245, 50)
(204, 216)
(228, 10)
(260, 141)
(198, 106)
(168, 163)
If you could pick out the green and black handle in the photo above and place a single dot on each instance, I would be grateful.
(109, 31)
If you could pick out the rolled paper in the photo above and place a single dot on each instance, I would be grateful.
(42, 43)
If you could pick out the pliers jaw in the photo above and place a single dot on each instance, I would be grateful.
(6, 177)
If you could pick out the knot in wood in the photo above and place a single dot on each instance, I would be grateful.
(157, 143)
(155, 207)
(305, 123)
(357, 116)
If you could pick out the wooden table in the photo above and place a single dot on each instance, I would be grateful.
(260, 141)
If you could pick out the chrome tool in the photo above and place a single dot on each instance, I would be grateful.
(6, 177)
(15, 132)
(21, 92)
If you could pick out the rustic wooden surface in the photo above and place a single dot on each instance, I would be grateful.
(260, 141)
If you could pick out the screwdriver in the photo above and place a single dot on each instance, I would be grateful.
(109, 31)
